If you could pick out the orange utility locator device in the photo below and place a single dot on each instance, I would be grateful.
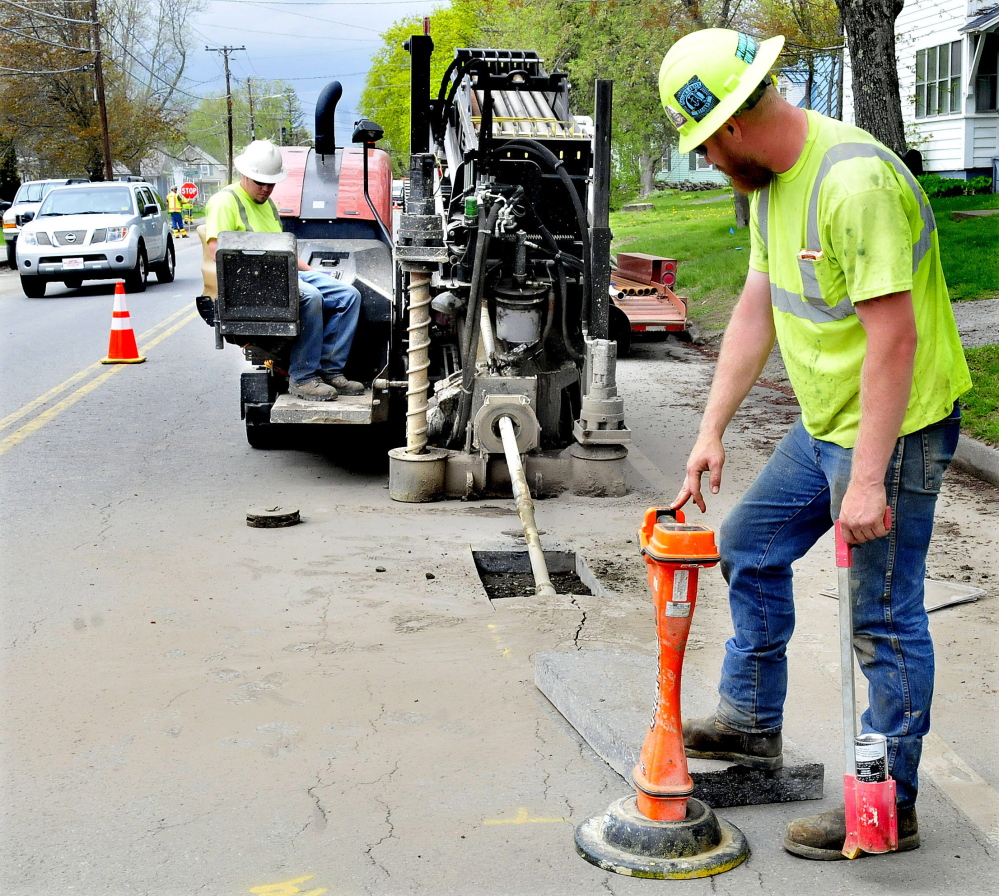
(121, 346)
(869, 798)
(662, 831)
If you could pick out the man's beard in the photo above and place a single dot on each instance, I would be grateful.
(748, 177)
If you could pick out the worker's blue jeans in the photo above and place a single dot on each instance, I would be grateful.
(792, 503)
(327, 318)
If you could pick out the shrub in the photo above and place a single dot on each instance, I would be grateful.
(936, 186)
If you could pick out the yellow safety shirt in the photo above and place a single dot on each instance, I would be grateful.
(849, 222)
(233, 209)
(173, 201)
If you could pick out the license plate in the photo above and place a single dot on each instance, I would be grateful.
(655, 329)
(72, 264)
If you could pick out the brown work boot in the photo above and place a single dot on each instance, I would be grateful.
(313, 390)
(821, 836)
(344, 386)
(710, 739)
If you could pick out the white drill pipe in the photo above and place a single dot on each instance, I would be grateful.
(419, 360)
(525, 509)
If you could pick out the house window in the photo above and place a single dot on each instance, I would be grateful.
(699, 163)
(988, 68)
(938, 80)
(206, 170)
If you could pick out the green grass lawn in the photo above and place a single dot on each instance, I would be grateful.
(694, 228)
(969, 250)
(981, 404)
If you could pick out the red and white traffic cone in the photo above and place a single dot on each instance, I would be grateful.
(121, 347)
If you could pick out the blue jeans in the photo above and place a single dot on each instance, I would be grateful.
(328, 311)
(791, 504)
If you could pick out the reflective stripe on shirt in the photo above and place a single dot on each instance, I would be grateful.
(814, 308)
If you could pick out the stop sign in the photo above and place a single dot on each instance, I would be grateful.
(189, 191)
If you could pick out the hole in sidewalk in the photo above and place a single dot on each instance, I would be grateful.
(508, 573)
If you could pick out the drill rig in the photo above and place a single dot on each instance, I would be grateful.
(507, 283)
(484, 316)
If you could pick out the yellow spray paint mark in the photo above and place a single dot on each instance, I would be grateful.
(288, 888)
(505, 651)
(523, 818)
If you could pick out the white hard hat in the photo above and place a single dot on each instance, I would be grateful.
(261, 161)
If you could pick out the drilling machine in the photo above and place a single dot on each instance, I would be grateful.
(484, 316)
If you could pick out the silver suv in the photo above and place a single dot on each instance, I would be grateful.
(29, 196)
(96, 231)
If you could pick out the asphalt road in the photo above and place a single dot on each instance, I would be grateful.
(189, 705)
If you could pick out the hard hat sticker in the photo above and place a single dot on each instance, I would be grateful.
(696, 99)
(746, 50)
(677, 117)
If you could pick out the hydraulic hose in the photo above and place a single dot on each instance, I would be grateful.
(472, 319)
(558, 167)
(563, 288)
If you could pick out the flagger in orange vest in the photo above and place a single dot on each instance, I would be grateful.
(176, 213)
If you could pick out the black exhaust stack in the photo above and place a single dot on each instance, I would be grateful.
(326, 118)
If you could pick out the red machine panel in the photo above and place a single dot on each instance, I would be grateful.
(287, 195)
(350, 200)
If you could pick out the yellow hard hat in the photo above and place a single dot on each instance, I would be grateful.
(707, 75)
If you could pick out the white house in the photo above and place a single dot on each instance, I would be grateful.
(948, 61)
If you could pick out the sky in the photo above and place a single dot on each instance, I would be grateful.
(307, 43)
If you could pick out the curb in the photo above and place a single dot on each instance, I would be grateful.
(978, 459)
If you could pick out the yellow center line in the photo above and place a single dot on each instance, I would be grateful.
(19, 435)
(36, 403)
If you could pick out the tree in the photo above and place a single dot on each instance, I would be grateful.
(385, 98)
(47, 105)
(277, 116)
(624, 41)
(870, 32)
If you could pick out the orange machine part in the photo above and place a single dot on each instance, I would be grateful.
(350, 199)
(287, 195)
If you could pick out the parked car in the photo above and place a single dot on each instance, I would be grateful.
(26, 201)
(96, 231)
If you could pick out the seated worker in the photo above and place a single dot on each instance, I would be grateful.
(328, 309)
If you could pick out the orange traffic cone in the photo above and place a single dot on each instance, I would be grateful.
(121, 348)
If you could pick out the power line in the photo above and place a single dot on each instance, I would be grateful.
(42, 40)
(58, 71)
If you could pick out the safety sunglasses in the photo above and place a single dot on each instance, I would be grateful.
(259, 184)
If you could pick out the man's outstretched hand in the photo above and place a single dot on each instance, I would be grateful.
(707, 456)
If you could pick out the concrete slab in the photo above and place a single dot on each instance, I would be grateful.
(608, 697)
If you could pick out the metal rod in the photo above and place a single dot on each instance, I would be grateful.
(419, 361)
(488, 339)
(601, 233)
(525, 509)
(846, 669)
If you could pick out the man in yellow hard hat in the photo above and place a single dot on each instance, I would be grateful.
(329, 309)
(845, 273)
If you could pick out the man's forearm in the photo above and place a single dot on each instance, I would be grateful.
(885, 387)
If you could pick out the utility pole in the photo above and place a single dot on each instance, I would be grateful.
(99, 85)
(225, 51)
(253, 125)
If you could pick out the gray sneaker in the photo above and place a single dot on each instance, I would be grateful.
(313, 390)
(344, 386)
